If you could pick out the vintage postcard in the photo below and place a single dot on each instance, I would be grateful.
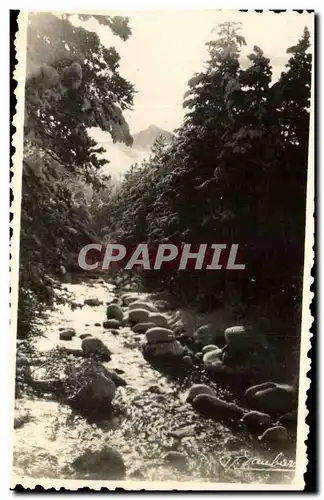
(162, 249)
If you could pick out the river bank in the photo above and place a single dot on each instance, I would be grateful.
(150, 418)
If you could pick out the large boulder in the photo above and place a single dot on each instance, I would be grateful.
(112, 375)
(138, 316)
(271, 398)
(249, 393)
(205, 335)
(256, 419)
(95, 394)
(92, 346)
(103, 464)
(289, 418)
(111, 323)
(157, 334)
(210, 347)
(198, 389)
(140, 304)
(142, 327)
(114, 312)
(211, 358)
(173, 349)
(278, 434)
(216, 408)
(128, 299)
(158, 320)
(242, 342)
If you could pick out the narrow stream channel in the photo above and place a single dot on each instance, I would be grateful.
(147, 414)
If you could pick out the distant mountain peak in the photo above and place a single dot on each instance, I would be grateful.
(146, 138)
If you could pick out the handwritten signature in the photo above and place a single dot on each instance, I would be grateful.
(246, 462)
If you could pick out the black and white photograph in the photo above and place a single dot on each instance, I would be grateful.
(162, 247)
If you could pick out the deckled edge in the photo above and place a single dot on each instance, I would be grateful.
(20, 46)
(308, 296)
(298, 483)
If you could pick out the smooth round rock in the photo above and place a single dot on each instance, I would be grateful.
(157, 334)
(137, 304)
(256, 419)
(142, 327)
(173, 349)
(210, 347)
(188, 360)
(128, 299)
(198, 389)
(67, 334)
(216, 408)
(158, 320)
(213, 357)
(271, 398)
(92, 302)
(111, 323)
(138, 316)
(93, 346)
(275, 435)
(205, 335)
(114, 312)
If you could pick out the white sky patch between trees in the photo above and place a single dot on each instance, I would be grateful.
(167, 47)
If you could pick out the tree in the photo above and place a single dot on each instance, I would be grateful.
(235, 173)
(72, 84)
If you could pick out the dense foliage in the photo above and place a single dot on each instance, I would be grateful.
(235, 173)
(72, 84)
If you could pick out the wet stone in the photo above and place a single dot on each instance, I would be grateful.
(119, 371)
(276, 434)
(67, 334)
(114, 312)
(84, 335)
(188, 360)
(255, 419)
(93, 346)
(104, 464)
(92, 302)
(111, 323)
(289, 418)
(176, 458)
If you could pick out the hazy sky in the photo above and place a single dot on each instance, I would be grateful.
(167, 47)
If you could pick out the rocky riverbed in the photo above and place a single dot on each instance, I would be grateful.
(150, 431)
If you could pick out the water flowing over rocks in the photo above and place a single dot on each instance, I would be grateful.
(178, 411)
